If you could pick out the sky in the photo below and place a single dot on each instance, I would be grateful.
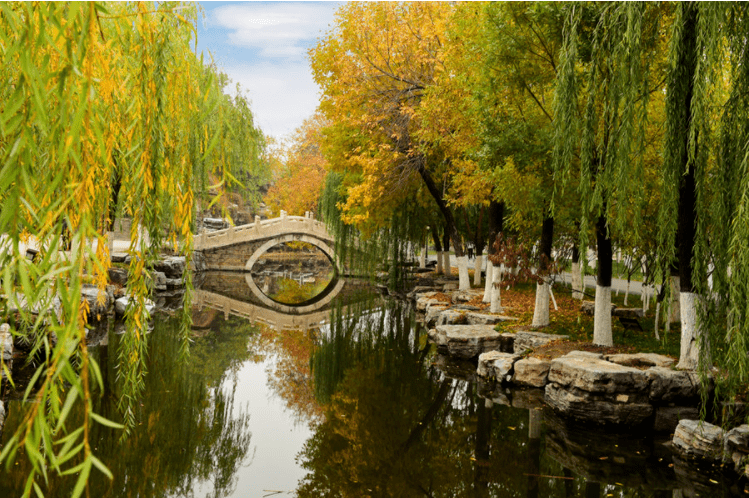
(263, 47)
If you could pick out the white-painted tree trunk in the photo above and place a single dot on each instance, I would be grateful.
(657, 318)
(541, 309)
(488, 284)
(689, 355)
(440, 270)
(446, 263)
(464, 278)
(626, 294)
(477, 272)
(110, 242)
(423, 258)
(602, 334)
(675, 313)
(577, 281)
(553, 300)
(496, 306)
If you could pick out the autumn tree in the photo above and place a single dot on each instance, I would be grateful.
(301, 170)
(518, 46)
(375, 69)
(607, 73)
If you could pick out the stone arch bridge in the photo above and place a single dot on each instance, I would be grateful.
(238, 248)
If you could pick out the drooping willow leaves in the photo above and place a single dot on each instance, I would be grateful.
(95, 95)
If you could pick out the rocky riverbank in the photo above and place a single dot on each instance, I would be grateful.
(638, 390)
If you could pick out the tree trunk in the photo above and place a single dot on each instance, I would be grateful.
(446, 254)
(541, 308)
(438, 249)
(577, 276)
(450, 227)
(496, 219)
(479, 243)
(686, 66)
(602, 334)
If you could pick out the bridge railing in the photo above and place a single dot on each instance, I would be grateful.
(262, 229)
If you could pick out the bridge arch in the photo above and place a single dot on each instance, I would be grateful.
(292, 237)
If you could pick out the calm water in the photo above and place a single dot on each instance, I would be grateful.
(359, 406)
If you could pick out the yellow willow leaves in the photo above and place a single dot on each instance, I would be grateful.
(94, 96)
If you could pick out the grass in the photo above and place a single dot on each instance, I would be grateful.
(568, 320)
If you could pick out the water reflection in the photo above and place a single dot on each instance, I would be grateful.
(293, 273)
(190, 434)
(358, 405)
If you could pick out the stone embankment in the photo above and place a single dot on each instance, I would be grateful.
(102, 303)
(641, 390)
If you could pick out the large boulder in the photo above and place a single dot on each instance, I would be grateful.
(673, 386)
(496, 365)
(699, 439)
(171, 267)
(736, 446)
(99, 301)
(120, 306)
(466, 341)
(589, 388)
(433, 314)
(526, 340)
(531, 372)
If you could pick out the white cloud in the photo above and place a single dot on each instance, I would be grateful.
(279, 80)
(282, 29)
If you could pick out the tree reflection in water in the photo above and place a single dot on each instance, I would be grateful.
(188, 434)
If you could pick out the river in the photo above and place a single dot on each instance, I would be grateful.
(358, 406)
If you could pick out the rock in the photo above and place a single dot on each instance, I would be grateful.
(496, 365)
(433, 314)
(736, 446)
(507, 342)
(588, 388)
(584, 354)
(119, 257)
(468, 341)
(525, 340)
(667, 386)
(214, 223)
(450, 286)
(700, 439)
(159, 280)
(439, 339)
(117, 275)
(627, 312)
(452, 317)
(98, 301)
(641, 360)
(415, 293)
(6, 342)
(598, 409)
(121, 305)
(533, 372)
(425, 300)
(486, 319)
(172, 267)
(596, 375)
(667, 417)
(465, 296)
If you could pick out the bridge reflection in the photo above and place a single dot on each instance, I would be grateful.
(234, 293)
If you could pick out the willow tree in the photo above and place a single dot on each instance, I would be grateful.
(519, 47)
(609, 68)
(91, 93)
(704, 215)
(375, 68)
